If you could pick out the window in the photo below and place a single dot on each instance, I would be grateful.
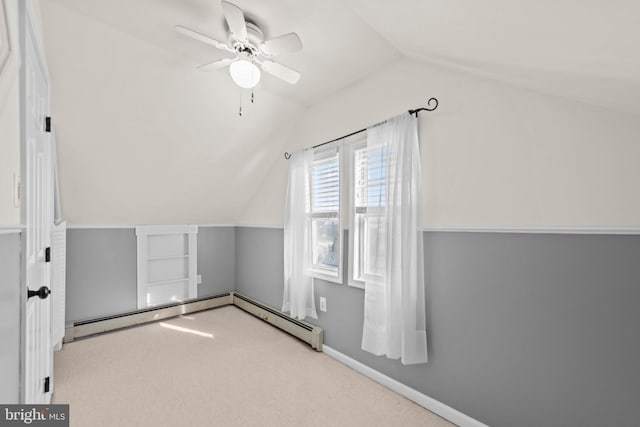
(367, 229)
(326, 225)
(367, 237)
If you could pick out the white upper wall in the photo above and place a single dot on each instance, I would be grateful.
(9, 119)
(9, 156)
(493, 155)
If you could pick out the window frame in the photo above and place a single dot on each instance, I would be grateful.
(317, 271)
(357, 252)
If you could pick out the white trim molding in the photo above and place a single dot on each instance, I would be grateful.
(98, 226)
(11, 229)
(132, 226)
(537, 230)
(630, 230)
(421, 399)
(280, 226)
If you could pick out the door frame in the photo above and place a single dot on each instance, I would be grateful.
(27, 22)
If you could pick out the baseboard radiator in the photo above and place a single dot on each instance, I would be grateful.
(85, 328)
(312, 335)
(307, 332)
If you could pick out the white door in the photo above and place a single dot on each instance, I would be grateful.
(39, 219)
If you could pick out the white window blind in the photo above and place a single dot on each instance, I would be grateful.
(326, 182)
(325, 213)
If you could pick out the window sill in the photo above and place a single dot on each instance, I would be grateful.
(327, 277)
(356, 284)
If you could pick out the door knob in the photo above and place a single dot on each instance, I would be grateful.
(42, 293)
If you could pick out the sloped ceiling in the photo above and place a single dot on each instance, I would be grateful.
(145, 138)
(584, 50)
(339, 48)
(175, 150)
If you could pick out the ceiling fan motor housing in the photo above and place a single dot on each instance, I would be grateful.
(251, 46)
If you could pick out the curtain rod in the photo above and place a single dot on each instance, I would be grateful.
(287, 155)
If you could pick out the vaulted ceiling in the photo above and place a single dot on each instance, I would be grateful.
(339, 47)
(135, 118)
(586, 50)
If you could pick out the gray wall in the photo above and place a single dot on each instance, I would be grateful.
(260, 264)
(216, 260)
(523, 329)
(102, 272)
(10, 287)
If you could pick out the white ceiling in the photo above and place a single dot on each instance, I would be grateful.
(585, 50)
(339, 48)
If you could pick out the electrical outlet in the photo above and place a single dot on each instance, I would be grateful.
(323, 304)
(199, 279)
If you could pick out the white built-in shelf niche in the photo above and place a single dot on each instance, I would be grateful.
(167, 264)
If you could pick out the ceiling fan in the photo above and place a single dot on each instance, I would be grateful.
(246, 41)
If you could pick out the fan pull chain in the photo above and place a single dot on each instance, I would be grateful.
(240, 112)
(252, 95)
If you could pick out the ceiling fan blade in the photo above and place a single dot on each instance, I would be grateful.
(280, 71)
(202, 37)
(235, 19)
(287, 43)
(215, 65)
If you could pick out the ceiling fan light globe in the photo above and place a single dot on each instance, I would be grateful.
(245, 73)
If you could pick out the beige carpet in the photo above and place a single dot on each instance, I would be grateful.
(221, 367)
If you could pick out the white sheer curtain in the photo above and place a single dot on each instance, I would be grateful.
(298, 298)
(394, 309)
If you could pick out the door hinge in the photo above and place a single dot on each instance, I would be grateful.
(47, 254)
(46, 385)
(47, 124)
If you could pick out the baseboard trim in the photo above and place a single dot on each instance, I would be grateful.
(421, 399)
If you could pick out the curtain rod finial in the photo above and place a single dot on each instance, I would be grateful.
(433, 101)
